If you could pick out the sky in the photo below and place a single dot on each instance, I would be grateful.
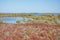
(29, 6)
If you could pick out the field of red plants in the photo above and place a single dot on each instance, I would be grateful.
(29, 32)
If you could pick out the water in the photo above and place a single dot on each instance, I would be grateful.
(38, 14)
(14, 19)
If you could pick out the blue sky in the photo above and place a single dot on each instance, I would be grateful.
(29, 6)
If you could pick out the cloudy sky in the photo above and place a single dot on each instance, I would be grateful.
(29, 6)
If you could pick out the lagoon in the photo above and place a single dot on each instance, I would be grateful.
(13, 19)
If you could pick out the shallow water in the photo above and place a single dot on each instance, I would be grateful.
(13, 20)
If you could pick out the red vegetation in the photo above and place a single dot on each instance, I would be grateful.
(29, 32)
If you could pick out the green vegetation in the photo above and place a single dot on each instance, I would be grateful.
(18, 21)
(59, 16)
(46, 18)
